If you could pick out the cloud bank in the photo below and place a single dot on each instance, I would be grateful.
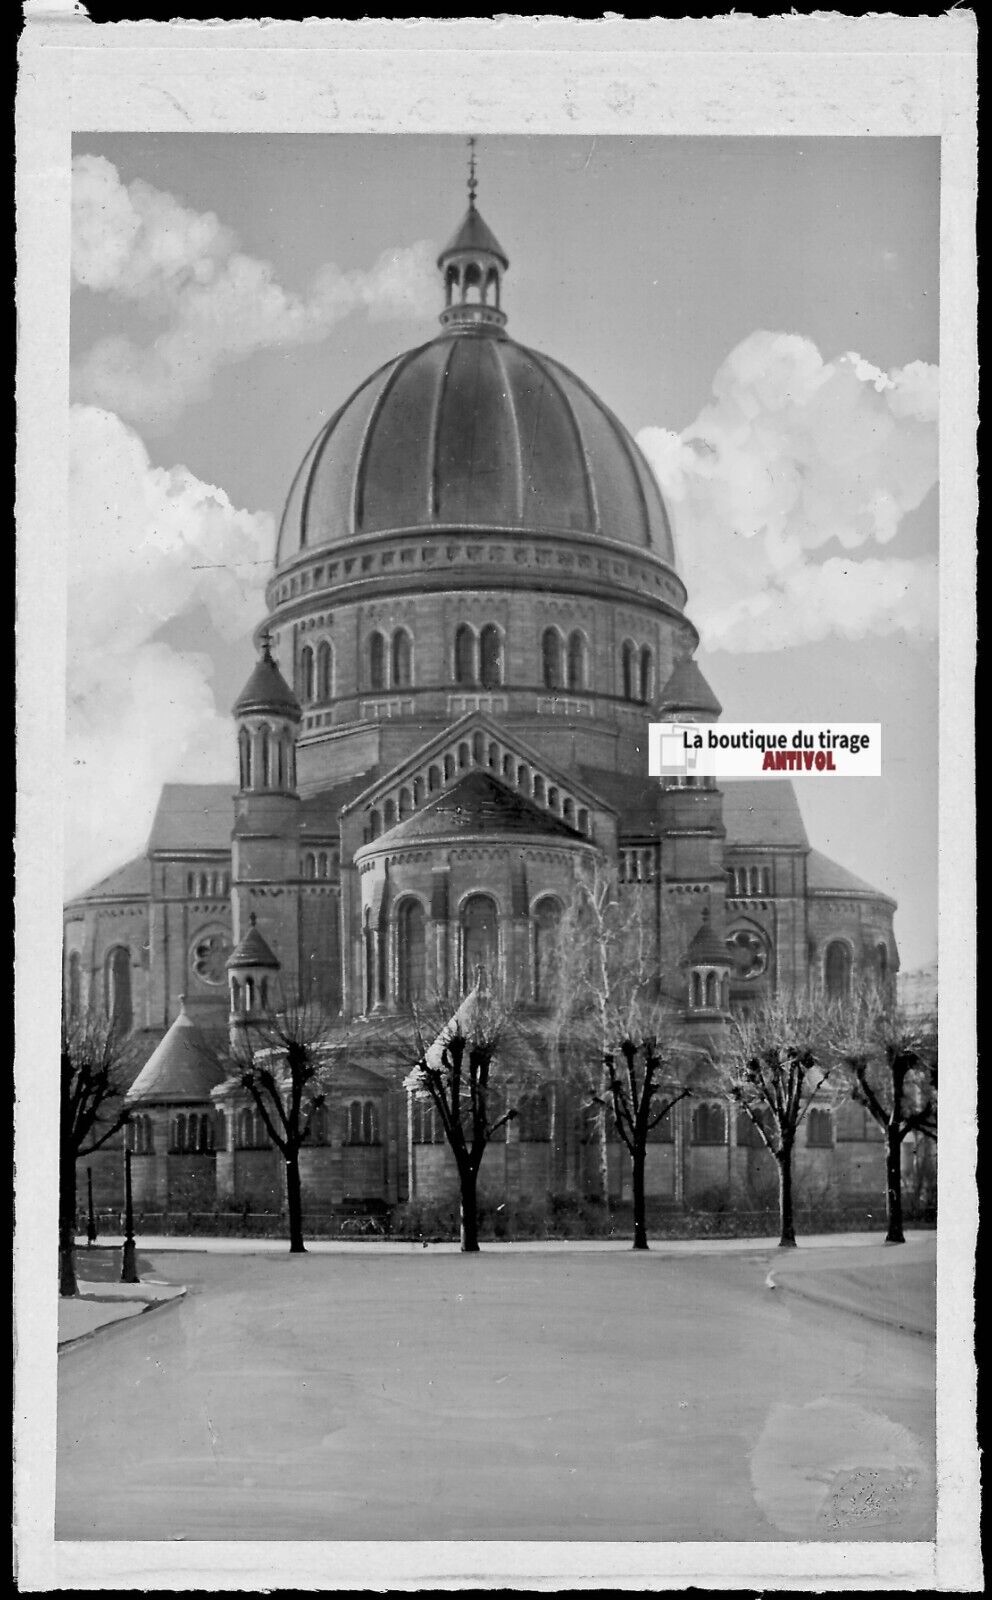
(146, 545)
(792, 453)
(184, 270)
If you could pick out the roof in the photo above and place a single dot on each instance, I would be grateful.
(132, 882)
(757, 811)
(320, 811)
(478, 804)
(182, 1067)
(707, 946)
(267, 690)
(193, 816)
(824, 876)
(474, 433)
(687, 690)
(474, 233)
(252, 950)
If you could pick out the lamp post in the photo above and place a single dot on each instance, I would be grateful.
(129, 1271)
(90, 1218)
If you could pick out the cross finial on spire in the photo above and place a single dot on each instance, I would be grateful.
(265, 640)
(473, 182)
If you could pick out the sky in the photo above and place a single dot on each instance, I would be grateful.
(762, 314)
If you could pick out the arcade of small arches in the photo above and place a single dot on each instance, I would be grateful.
(478, 661)
(319, 864)
(267, 758)
(249, 996)
(453, 764)
(748, 882)
(403, 978)
(471, 282)
(709, 989)
(208, 885)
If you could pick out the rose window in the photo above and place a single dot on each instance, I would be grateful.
(750, 953)
(208, 958)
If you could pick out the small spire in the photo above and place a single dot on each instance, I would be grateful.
(182, 1002)
(252, 918)
(473, 182)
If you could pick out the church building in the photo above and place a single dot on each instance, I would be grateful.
(473, 615)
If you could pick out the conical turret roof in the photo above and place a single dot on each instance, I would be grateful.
(183, 1067)
(267, 689)
(474, 234)
(707, 948)
(687, 690)
(252, 950)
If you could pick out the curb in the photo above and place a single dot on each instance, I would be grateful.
(121, 1322)
(867, 1315)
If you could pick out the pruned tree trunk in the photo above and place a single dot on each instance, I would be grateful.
(602, 1190)
(468, 1208)
(67, 1223)
(893, 1186)
(294, 1204)
(640, 1210)
(787, 1224)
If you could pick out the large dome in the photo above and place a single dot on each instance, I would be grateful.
(473, 430)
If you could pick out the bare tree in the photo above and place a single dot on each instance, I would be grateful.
(615, 1023)
(285, 1061)
(775, 1067)
(889, 1060)
(475, 1060)
(95, 1075)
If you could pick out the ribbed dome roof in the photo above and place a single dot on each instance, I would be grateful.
(473, 431)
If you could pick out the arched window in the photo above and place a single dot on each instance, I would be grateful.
(449, 767)
(882, 962)
(377, 661)
(711, 990)
(263, 756)
(464, 755)
(406, 803)
(370, 1123)
(464, 654)
(478, 749)
(480, 938)
(402, 659)
(322, 864)
(74, 985)
(309, 865)
(318, 1125)
(418, 792)
(235, 996)
(221, 1131)
(427, 1127)
(551, 658)
(547, 916)
(433, 779)
(492, 757)
(306, 674)
(179, 1133)
(249, 995)
(709, 1124)
(375, 824)
(244, 757)
(490, 657)
(627, 670)
(568, 812)
(539, 794)
(583, 820)
(576, 661)
(289, 759)
(450, 283)
(263, 993)
(644, 683)
(246, 1129)
(389, 814)
(117, 998)
(325, 672)
(368, 937)
(837, 971)
(820, 1129)
(411, 952)
(472, 280)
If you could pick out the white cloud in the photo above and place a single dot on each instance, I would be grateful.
(217, 304)
(146, 545)
(791, 453)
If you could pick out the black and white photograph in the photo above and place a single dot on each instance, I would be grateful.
(477, 1156)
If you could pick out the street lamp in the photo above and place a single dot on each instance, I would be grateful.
(129, 1270)
(90, 1218)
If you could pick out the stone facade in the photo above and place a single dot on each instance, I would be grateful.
(469, 630)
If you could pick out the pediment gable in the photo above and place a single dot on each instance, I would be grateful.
(476, 744)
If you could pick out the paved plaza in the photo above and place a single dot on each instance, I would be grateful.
(736, 1393)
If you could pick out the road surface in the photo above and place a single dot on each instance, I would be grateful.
(505, 1396)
